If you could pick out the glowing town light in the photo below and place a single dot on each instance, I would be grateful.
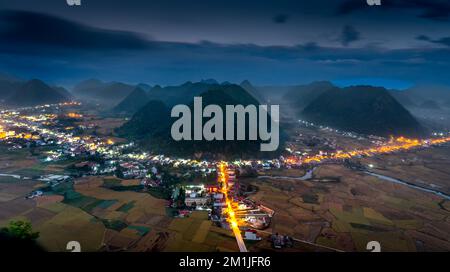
(231, 215)
(398, 144)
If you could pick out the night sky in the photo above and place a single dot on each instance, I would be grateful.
(400, 43)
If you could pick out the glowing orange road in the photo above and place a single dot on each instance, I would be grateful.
(229, 210)
(398, 144)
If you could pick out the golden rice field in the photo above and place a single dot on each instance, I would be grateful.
(346, 215)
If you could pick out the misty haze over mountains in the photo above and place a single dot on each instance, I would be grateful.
(391, 112)
(16, 92)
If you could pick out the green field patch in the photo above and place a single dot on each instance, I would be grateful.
(366, 227)
(126, 207)
(98, 203)
(36, 170)
(350, 217)
(111, 182)
(66, 162)
(74, 198)
(310, 198)
(9, 180)
(160, 192)
(398, 203)
(142, 230)
(171, 212)
(375, 216)
(132, 188)
(408, 224)
(78, 200)
(105, 204)
(116, 225)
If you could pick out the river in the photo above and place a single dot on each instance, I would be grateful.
(409, 184)
(308, 175)
(9, 175)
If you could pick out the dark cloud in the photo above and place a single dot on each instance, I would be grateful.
(442, 41)
(311, 46)
(268, 22)
(348, 35)
(280, 18)
(423, 38)
(174, 63)
(435, 10)
(350, 6)
(438, 10)
(51, 48)
(18, 28)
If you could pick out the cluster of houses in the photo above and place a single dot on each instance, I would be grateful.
(211, 198)
(132, 170)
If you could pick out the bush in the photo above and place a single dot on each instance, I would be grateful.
(19, 236)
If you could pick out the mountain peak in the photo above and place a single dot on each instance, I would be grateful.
(302, 95)
(246, 82)
(144, 86)
(362, 109)
(36, 92)
(38, 82)
(155, 132)
(106, 93)
(209, 81)
(133, 102)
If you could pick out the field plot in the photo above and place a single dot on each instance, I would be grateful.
(56, 222)
(104, 126)
(15, 160)
(427, 167)
(196, 233)
(139, 222)
(70, 224)
(284, 172)
(86, 212)
(359, 208)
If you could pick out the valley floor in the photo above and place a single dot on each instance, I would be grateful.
(335, 206)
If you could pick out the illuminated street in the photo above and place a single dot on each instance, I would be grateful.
(230, 211)
(397, 144)
(38, 125)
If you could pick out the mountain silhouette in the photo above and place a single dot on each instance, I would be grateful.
(151, 126)
(362, 109)
(36, 92)
(133, 102)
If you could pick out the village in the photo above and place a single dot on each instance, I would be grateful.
(220, 202)
(188, 184)
(97, 156)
